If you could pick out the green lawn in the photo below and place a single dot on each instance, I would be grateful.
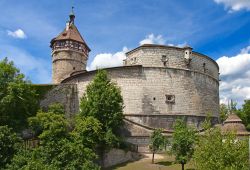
(167, 163)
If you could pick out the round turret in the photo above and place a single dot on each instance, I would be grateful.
(69, 52)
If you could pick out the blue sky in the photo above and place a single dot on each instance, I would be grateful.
(217, 28)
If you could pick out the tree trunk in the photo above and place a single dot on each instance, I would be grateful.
(101, 153)
(182, 166)
(153, 157)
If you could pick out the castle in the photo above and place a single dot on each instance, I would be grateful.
(158, 83)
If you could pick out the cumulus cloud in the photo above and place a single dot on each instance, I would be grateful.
(152, 39)
(17, 34)
(105, 60)
(235, 76)
(33, 67)
(235, 5)
(159, 39)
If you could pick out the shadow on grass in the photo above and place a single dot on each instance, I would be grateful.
(165, 163)
(117, 166)
(123, 164)
(169, 163)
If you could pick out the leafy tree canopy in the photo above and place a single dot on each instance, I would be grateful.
(58, 147)
(56, 108)
(8, 145)
(104, 102)
(183, 142)
(88, 131)
(157, 141)
(18, 99)
(217, 151)
(244, 114)
(223, 112)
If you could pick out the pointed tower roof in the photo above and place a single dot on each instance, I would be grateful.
(70, 32)
(234, 123)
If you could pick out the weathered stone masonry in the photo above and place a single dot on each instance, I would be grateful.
(159, 84)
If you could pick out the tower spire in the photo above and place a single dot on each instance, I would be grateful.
(72, 16)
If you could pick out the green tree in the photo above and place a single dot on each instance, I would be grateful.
(8, 145)
(88, 131)
(18, 99)
(58, 147)
(104, 102)
(56, 108)
(157, 141)
(28, 158)
(183, 142)
(223, 112)
(215, 150)
(244, 114)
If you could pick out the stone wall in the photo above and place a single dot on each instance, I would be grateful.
(65, 62)
(145, 91)
(118, 156)
(66, 94)
(155, 94)
(152, 56)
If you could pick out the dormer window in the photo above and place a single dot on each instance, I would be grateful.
(188, 56)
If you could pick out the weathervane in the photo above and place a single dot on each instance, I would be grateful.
(72, 10)
(72, 16)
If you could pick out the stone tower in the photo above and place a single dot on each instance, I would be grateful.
(69, 52)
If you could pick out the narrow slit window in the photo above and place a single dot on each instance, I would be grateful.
(163, 58)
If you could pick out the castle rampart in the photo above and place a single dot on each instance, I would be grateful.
(159, 84)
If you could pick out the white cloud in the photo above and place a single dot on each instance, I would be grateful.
(159, 39)
(235, 5)
(178, 45)
(235, 76)
(152, 39)
(105, 60)
(33, 67)
(17, 34)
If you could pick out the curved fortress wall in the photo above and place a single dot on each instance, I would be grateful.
(172, 57)
(156, 93)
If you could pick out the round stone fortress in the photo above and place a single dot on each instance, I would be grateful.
(159, 84)
(162, 83)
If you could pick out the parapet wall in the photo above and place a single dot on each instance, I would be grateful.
(172, 57)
